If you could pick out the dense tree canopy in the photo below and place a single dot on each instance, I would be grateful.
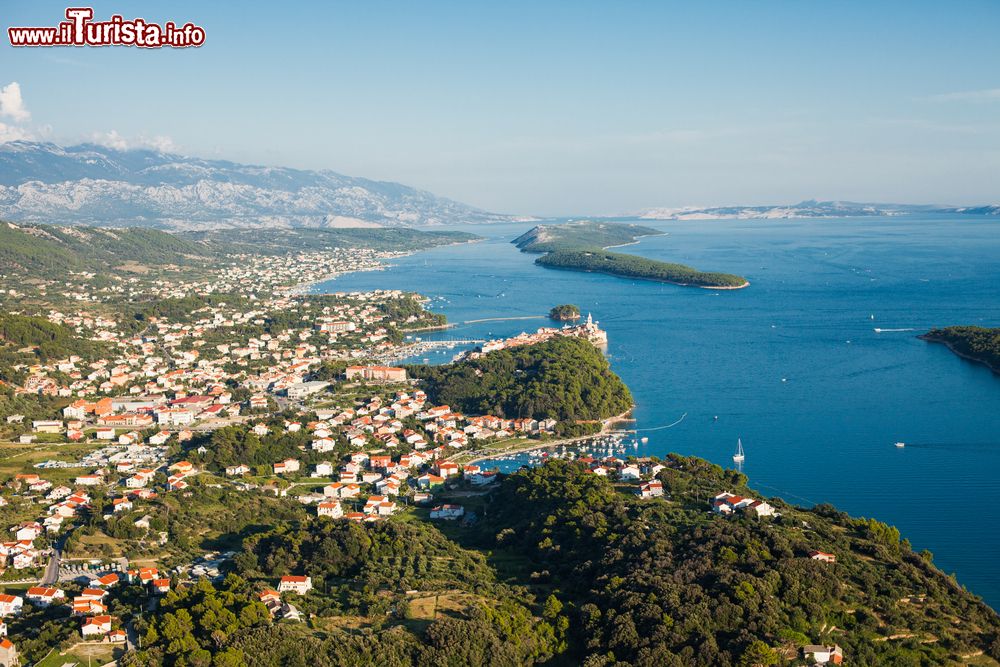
(566, 311)
(563, 378)
(46, 340)
(668, 583)
(633, 266)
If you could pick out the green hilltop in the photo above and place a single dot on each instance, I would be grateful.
(38, 249)
(565, 567)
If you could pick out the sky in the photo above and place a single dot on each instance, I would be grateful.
(548, 108)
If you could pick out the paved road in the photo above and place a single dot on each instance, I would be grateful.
(51, 575)
(131, 636)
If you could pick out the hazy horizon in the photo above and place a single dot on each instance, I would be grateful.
(556, 110)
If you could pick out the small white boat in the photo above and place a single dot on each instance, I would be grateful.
(739, 456)
(901, 444)
(645, 440)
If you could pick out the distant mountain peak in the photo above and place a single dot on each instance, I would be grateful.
(98, 185)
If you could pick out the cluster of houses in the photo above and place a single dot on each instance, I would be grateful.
(589, 330)
(157, 388)
(728, 503)
(279, 609)
(415, 474)
(380, 424)
(90, 605)
(177, 374)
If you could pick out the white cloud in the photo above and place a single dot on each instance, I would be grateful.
(110, 139)
(985, 95)
(114, 139)
(13, 133)
(11, 104)
(163, 144)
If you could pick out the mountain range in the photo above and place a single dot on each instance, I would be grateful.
(811, 209)
(91, 184)
(97, 185)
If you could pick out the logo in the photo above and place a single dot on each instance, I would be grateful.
(79, 29)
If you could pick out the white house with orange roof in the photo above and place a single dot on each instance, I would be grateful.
(286, 466)
(330, 508)
(295, 584)
(10, 605)
(96, 626)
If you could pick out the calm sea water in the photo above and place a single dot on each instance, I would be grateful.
(792, 364)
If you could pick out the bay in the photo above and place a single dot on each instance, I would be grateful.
(791, 364)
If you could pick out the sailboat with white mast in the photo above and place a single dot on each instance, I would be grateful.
(739, 455)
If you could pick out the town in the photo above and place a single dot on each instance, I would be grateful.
(244, 352)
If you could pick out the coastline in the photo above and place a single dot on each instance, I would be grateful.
(746, 283)
(957, 353)
(300, 289)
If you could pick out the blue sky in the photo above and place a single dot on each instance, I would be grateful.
(551, 107)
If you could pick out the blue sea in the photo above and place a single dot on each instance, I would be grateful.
(792, 364)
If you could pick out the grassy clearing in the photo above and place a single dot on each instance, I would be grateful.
(83, 654)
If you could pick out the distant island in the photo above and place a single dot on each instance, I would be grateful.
(812, 209)
(583, 246)
(978, 344)
(565, 313)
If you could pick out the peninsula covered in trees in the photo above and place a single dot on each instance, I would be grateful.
(583, 246)
(979, 344)
(565, 378)
(566, 567)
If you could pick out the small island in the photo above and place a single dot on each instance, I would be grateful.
(583, 246)
(978, 344)
(566, 312)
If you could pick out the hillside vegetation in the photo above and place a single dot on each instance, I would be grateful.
(564, 312)
(364, 572)
(26, 340)
(975, 343)
(654, 582)
(565, 567)
(38, 249)
(567, 379)
(583, 234)
(632, 266)
(277, 241)
(582, 246)
(44, 249)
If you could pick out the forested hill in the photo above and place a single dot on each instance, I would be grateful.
(42, 249)
(583, 246)
(278, 241)
(46, 340)
(633, 266)
(666, 582)
(974, 343)
(563, 567)
(566, 379)
(46, 250)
